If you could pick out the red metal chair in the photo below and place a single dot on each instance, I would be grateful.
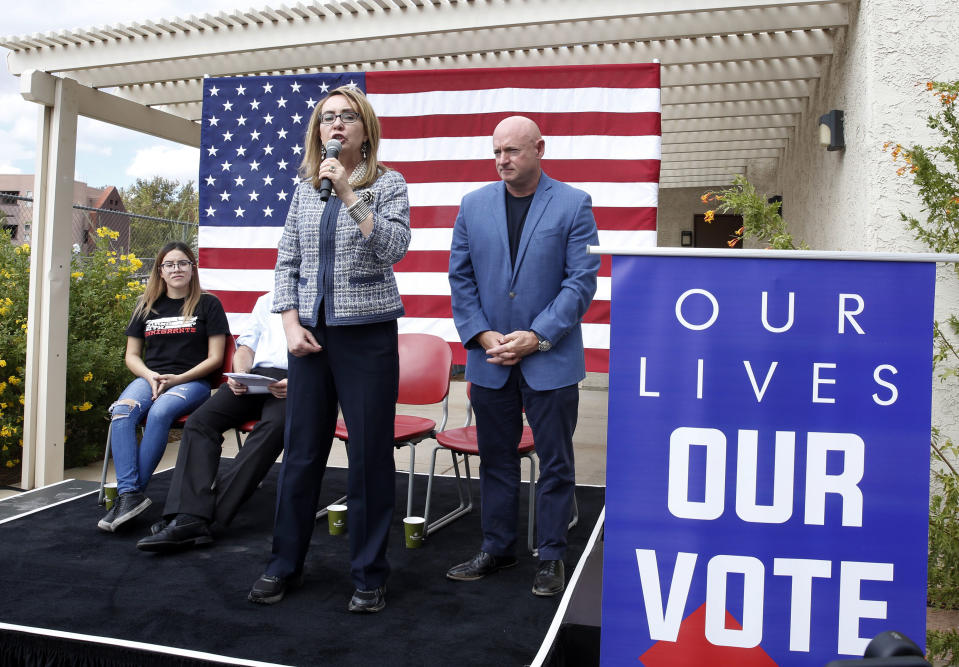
(228, 352)
(426, 362)
(462, 441)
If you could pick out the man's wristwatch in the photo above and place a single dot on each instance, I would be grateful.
(544, 345)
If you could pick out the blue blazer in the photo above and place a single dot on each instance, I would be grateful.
(548, 290)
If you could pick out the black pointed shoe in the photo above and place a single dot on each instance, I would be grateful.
(550, 578)
(269, 589)
(368, 602)
(157, 526)
(479, 566)
(181, 533)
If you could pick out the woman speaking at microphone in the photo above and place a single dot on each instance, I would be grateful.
(348, 224)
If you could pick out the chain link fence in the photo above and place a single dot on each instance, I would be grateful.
(140, 235)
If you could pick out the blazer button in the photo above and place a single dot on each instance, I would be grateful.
(512, 295)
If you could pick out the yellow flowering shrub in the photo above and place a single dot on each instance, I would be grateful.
(96, 343)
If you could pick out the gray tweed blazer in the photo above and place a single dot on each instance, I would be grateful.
(363, 286)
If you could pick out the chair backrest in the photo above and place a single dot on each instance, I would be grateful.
(426, 362)
(228, 351)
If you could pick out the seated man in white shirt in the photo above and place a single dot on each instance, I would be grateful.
(194, 502)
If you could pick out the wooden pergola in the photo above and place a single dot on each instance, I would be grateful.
(737, 78)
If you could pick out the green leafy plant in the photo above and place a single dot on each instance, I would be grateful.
(935, 173)
(761, 218)
(102, 294)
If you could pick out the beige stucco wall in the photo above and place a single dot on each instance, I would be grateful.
(851, 199)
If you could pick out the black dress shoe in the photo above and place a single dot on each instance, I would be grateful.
(181, 533)
(157, 526)
(368, 602)
(270, 590)
(479, 566)
(550, 578)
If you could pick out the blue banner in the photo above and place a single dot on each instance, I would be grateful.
(767, 459)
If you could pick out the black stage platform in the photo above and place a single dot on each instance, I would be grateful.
(75, 595)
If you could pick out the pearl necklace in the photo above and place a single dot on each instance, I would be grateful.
(359, 173)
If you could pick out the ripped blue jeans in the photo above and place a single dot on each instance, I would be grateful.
(135, 464)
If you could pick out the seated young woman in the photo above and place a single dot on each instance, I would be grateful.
(175, 345)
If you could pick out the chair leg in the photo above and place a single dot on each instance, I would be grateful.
(531, 531)
(101, 498)
(466, 499)
(409, 486)
(322, 512)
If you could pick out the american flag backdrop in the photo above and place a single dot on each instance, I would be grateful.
(602, 130)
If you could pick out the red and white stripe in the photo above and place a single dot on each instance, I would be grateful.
(601, 125)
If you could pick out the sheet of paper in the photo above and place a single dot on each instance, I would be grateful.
(257, 384)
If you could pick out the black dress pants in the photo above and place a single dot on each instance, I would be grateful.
(191, 490)
(359, 369)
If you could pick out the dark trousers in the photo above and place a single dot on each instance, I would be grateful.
(359, 368)
(191, 490)
(552, 417)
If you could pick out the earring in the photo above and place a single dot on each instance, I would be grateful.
(364, 148)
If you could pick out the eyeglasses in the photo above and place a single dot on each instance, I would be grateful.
(183, 264)
(348, 117)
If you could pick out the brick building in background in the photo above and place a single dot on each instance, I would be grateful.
(17, 215)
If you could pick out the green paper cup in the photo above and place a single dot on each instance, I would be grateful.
(110, 494)
(415, 529)
(336, 515)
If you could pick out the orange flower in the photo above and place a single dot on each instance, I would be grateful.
(705, 198)
(709, 216)
(732, 242)
(739, 232)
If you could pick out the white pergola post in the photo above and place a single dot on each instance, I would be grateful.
(48, 312)
(63, 100)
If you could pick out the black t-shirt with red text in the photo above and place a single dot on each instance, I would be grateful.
(174, 345)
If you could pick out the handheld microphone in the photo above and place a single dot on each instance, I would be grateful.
(333, 147)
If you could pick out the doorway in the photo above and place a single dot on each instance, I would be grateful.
(718, 233)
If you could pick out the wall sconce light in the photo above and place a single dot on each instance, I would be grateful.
(686, 238)
(831, 134)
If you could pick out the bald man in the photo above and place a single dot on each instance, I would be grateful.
(521, 281)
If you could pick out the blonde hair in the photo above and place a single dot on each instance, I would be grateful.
(315, 152)
(156, 287)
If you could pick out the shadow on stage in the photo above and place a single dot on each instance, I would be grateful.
(75, 595)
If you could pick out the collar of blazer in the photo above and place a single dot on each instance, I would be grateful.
(537, 209)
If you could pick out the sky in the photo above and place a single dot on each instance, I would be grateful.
(106, 154)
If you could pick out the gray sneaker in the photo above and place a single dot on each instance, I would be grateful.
(106, 523)
(127, 506)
